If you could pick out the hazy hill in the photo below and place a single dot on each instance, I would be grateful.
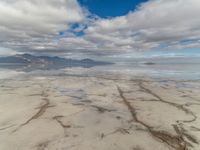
(31, 62)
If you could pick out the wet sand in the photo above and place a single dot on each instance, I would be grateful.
(99, 113)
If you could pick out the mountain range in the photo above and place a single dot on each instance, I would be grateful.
(31, 62)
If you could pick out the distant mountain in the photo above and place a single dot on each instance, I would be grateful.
(149, 63)
(31, 62)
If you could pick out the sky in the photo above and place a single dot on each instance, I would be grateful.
(110, 8)
(100, 28)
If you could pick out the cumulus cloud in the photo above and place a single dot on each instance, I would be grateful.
(34, 25)
(153, 24)
(28, 23)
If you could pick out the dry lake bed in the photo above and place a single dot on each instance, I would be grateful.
(101, 112)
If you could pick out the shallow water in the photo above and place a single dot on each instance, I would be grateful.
(168, 71)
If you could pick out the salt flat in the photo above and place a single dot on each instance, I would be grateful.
(99, 113)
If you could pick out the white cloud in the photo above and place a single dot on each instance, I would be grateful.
(34, 25)
(24, 22)
(153, 23)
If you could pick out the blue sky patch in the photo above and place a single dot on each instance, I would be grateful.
(110, 8)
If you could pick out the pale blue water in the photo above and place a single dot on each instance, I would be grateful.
(183, 68)
(170, 68)
(165, 68)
